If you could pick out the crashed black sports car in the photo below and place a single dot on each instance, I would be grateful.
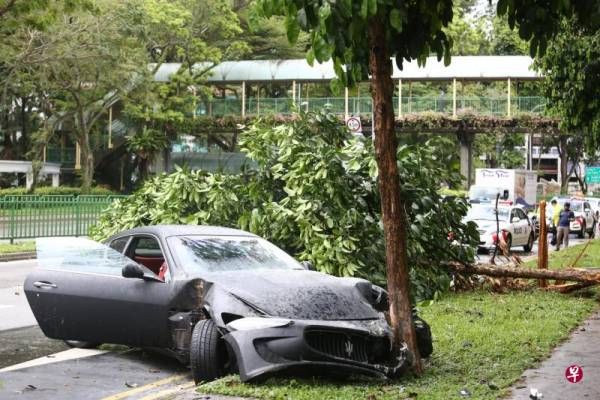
(222, 300)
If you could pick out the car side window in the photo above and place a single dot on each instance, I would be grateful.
(145, 250)
(514, 214)
(119, 244)
(586, 206)
(521, 214)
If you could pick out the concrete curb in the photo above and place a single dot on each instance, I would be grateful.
(28, 255)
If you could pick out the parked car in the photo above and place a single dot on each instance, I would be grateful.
(222, 300)
(512, 223)
(585, 221)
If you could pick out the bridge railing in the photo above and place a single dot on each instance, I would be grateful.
(496, 106)
(32, 216)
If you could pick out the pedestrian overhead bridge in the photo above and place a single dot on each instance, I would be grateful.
(245, 79)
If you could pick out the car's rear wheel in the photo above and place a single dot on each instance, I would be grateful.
(424, 341)
(80, 344)
(208, 354)
(529, 246)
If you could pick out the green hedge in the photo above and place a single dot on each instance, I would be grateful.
(61, 190)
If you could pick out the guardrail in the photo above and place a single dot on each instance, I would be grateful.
(31, 216)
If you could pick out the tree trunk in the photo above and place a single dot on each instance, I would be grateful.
(578, 275)
(392, 205)
(562, 153)
(87, 162)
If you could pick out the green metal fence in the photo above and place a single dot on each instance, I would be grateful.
(34, 216)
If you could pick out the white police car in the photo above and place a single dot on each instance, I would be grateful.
(512, 223)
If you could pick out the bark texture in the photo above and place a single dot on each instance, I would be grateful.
(392, 206)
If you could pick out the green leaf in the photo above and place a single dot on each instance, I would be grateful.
(396, 19)
(292, 28)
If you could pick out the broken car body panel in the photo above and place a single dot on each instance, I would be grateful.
(274, 315)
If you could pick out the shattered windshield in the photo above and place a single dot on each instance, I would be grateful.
(228, 253)
(487, 213)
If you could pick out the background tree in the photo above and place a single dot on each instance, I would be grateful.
(198, 35)
(571, 70)
(86, 63)
(146, 144)
(21, 96)
(361, 37)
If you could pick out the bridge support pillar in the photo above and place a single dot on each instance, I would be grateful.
(508, 111)
(454, 97)
(465, 141)
(244, 99)
(346, 114)
(399, 98)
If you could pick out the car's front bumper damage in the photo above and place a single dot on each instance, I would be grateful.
(315, 348)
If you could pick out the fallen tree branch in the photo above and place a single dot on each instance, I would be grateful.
(570, 287)
(511, 271)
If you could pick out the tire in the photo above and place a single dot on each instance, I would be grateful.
(592, 231)
(208, 353)
(424, 341)
(529, 246)
(581, 233)
(80, 344)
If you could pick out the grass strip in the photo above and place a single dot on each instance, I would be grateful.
(19, 247)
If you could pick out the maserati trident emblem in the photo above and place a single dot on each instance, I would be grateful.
(348, 348)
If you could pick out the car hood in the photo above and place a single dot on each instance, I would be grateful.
(296, 294)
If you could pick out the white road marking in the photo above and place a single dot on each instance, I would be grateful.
(66, 355)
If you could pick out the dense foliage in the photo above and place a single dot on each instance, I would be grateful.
(313, 191)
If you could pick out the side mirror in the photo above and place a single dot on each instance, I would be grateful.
(132, 271)
(308, 265)
(514, 220)
(505, 195)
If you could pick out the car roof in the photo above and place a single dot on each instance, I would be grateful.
(180, 230)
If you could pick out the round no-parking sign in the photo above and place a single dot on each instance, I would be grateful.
(353, 123)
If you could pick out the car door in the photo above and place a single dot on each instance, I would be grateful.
(514, 227)
(78, 293)
(525, 224)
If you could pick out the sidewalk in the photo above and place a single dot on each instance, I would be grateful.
(583, 349)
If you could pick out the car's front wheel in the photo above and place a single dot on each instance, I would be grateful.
(529, 246)
(208, 354)
(581, 233)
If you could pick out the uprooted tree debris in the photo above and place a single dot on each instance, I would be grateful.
(513, 271)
